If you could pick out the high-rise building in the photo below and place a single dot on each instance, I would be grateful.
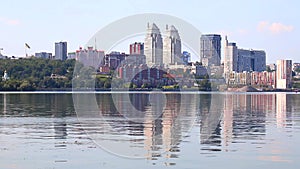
(210, 49)
(251, 60)
(61, 50)
(90, 57)
(240, 60)
(136, 48)
(172, 46)
(230, 57)
(284, 74)
(153, 46)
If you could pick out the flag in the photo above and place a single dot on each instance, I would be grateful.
(27, 46)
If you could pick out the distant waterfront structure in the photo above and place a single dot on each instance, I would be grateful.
(61, 50)
(252, 78)
(296, 66)
(136, 54)
(1, 56)
(136, 48)
(153, 46)
(114, 59)
(251, 60)
(230, 57)
(240, 60)
(135, 59)
(44, 55)
(5, 76)
(186, 57)
(71, 55)
(210, 50)
(90, 57)
(272, 66)
(171, 46)
(284, 74)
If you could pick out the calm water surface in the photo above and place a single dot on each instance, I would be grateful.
(162, 130)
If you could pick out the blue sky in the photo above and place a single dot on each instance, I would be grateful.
(271, 25)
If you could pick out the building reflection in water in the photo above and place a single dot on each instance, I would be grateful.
(155, 125)
(4, 103)
(59, 114)
(245, 115)
(283, 110)
(155, 122)
(211, 107)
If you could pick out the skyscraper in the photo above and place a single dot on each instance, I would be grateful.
(210, 49)
(230, 57)
(61, 50)
(172, 46)
(153, 46)
(284, 74)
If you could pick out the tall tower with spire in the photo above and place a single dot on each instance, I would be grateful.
(172, 46)
(153, 48)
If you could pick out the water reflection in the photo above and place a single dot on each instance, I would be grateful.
(154, 126)
(150, 125)
(29, 105)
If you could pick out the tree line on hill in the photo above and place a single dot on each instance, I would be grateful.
(35, 73)
(30, 74)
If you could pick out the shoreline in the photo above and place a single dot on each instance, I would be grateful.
(70, 90)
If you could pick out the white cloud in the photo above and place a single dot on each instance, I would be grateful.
(274, 28)
(7, 21)
(243, 31)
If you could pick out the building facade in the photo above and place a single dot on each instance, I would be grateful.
(136, 48)
(153, 46)
(172, 46)
(284, 74)
(230, 57)
(90, 57)
(61, 50)
(252, 78)
(251, 60)
(210, 49)
(114, 59)
(135, 59)
(186, 57)
(44, 55)
(240, 60)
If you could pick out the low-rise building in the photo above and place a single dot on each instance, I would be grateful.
(272, 66)
(44, 55)
(114, 59)
(252, 78)
(90, 57)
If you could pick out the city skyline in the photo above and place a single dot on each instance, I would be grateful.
(264, 29)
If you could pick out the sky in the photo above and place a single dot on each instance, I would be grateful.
(270, 25)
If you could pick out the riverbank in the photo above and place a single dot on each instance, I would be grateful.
(242, 90)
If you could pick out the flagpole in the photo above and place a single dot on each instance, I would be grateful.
(25, 51)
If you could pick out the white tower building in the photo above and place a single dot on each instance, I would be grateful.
(153, 48)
